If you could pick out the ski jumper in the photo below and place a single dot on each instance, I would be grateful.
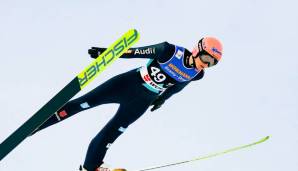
(135, 90)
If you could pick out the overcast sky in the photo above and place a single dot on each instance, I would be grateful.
(250, 94)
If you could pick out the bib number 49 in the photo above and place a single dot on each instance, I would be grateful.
(157, 75)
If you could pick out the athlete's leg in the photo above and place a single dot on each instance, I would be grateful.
(107, 92)
(126, 115)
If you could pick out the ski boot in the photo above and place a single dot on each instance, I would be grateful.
(103, 167)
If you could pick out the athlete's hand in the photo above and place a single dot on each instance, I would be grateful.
(157, 103)
(94, 52)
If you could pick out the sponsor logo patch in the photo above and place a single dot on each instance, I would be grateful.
(108, 145)
(121, 129)
(179, 54)
(62, 114)
(85, 105)
(216, 50)
(145, 51)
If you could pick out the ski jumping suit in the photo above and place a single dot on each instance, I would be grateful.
(165, 74)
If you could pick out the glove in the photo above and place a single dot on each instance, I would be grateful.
(157, 103)
(94, 52)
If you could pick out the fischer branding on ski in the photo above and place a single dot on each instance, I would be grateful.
(70, 90)
(108, 56)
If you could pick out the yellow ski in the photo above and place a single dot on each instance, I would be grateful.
(70, 90)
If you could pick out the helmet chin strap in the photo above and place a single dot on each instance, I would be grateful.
(187, 63)
(194, 62)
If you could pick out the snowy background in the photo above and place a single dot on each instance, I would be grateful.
(252, 93)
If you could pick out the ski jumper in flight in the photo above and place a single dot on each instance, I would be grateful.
(169, 70)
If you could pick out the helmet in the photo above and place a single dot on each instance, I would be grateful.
(207, 47)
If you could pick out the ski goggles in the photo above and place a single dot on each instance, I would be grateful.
(204, 60)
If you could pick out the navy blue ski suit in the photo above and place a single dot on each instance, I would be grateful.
(135, 91)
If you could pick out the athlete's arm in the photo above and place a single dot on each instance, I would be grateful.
(178, 87)
(169, 92)
(160, 100)
(151, 52)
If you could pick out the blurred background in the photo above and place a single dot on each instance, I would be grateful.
(249, 95)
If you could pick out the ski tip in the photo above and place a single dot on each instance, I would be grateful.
(133, 30)
(265, 138)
